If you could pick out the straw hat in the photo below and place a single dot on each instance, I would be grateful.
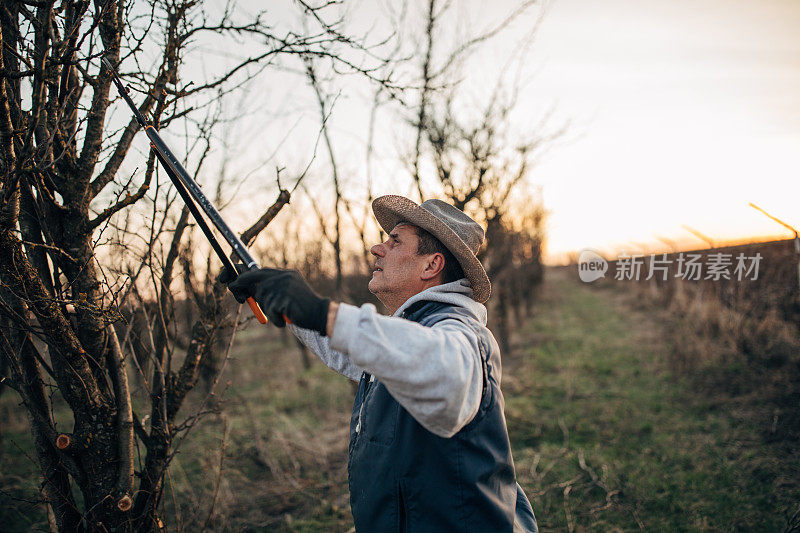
(458, 232)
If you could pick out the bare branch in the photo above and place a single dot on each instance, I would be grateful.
(127, 200)
(273, 210)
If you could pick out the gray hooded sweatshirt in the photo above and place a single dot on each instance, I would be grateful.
(442, 391)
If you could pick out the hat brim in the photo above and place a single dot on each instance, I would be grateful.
(391, 209)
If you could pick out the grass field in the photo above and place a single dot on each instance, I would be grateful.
(605, 437)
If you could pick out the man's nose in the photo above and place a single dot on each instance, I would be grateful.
(377, 250)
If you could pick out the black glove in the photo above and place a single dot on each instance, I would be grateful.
(283, 293)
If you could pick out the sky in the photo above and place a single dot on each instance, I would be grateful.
(682, 113)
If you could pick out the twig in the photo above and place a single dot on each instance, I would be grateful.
(223, 447)
(793, 524)
(567, 512)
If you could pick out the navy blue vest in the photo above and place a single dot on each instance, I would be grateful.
(403, 478)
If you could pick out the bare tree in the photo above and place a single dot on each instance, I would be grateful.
(438, 69)
(325, 108)
(480, 164)
(61, 156)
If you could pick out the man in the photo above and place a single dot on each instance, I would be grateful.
(429, 448)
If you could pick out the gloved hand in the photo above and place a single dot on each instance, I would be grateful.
(283, 293)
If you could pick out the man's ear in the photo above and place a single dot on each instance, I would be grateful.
(433, 267)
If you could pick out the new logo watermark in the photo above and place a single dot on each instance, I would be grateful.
(591, 266)
(688, 266)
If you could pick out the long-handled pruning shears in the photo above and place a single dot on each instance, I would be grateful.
(193, 196)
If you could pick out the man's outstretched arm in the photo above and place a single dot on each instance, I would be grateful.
(284, 293)
(435, 373)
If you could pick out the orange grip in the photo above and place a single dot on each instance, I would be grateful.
(260, 316)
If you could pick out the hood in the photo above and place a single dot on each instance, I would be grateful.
(458, 293)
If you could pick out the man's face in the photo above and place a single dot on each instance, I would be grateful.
(398, 268)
